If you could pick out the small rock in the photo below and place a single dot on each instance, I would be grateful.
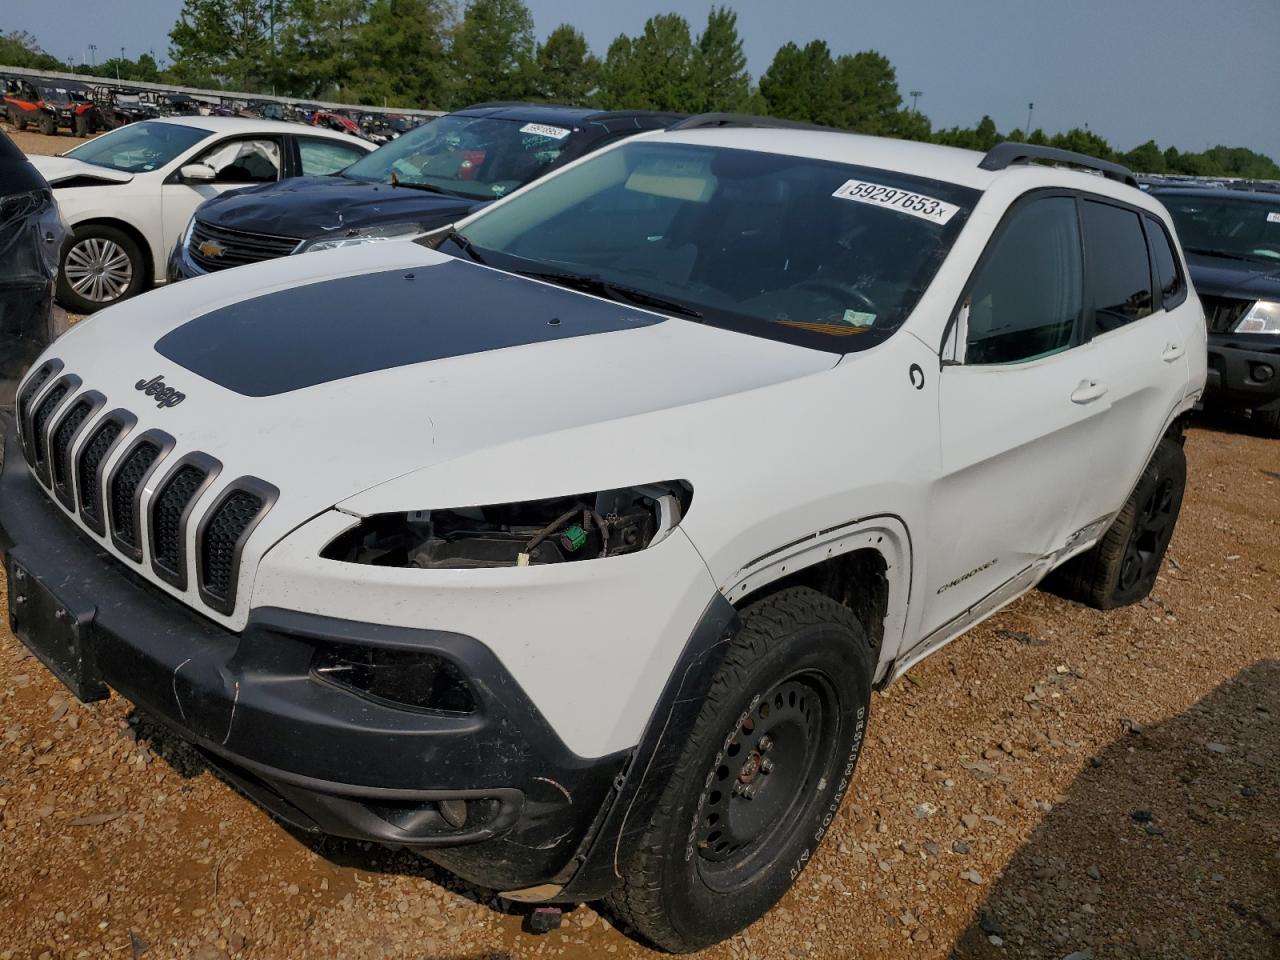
(924, 810)
(1094, 872)
(970, 820)
(1217, 747)
(1079, 955)
(973, 876)
(1141, 816)
(920, 935)
(995, 940)
(961, 848)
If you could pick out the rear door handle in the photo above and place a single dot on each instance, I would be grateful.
(1172, 352)
(1089, 391)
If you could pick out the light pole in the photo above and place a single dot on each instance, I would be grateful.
(118, 62)
(915, 95)
(1030, 108)
(93, 54)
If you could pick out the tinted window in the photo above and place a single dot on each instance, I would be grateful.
(1119, 272)
(1168, 273)
(1026, 299)
(1234, 227)
(321, 157)
(827, 254)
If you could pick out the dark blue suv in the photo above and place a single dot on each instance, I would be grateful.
(1232, 241)
(425, 179)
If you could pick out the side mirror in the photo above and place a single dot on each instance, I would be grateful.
(198, 173)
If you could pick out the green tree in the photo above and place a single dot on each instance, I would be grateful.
(401, 57)
(720, 66)
(866, 94)
(225, 41)
(663, 58)
(1083, 141)
(799, 84)
(19, 49)
(620, 83)
(318, 52)
(565, 69)
(493, 52)
(1145, 158)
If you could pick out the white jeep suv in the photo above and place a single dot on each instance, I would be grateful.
(568, 545)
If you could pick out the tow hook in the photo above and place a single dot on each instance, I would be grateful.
(543, 920)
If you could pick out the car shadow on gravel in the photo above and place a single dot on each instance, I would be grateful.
(1167, 844)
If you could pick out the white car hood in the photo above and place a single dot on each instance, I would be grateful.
(58, 169)
(465, 359)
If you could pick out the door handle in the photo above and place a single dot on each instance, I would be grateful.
(1089, 391)
(1172, 352)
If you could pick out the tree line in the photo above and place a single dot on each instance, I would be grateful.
(425, 53)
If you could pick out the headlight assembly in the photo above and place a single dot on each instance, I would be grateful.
(1263, 317)
(376, 234)
(532, 533)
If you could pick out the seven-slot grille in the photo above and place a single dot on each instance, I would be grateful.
(60, 460)
(216, 248)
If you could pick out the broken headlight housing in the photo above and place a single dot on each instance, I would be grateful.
(533, 533)
(360, 235)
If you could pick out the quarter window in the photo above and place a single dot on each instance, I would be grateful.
(1119, 271)
(1168, 274)
(1026, 298)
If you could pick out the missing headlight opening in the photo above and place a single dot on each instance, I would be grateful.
(532, 533)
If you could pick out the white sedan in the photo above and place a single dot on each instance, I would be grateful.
(128, 194)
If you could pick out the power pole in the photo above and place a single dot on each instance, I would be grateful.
(118, 62)
(915, 95)
(1030, 108)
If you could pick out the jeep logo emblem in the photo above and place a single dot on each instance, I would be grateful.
(165, 396)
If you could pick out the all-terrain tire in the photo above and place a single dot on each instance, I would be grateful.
(793, 693)
(18, 120)
(1121, 568)
(48, 126)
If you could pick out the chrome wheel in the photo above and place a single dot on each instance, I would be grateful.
(98, 269)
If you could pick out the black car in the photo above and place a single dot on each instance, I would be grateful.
(1232, 241)
(427, 178)
(31, 236)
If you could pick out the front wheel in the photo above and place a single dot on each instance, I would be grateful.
(101, 265)
(49, 126)
(761, 778)
(1267, 420)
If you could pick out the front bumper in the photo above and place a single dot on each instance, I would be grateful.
(1244, 370)
(180, 266)
(315, 754)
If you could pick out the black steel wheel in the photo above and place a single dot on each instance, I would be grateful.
(760, 778)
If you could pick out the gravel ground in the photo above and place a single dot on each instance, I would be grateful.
(1058, 782)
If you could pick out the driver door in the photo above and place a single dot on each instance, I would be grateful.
(236, 162)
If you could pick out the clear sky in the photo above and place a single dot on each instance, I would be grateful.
(1183, 72)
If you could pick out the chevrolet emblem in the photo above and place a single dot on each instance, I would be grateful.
(211, 248)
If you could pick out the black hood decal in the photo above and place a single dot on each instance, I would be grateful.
(341, 328)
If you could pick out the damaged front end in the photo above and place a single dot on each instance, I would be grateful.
(532, 533)
(31, 238)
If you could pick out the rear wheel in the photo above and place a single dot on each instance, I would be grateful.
(101, 265)
(1122, 567)
(761, 777)
(48, 126)
(18, 120)
(1267, 420)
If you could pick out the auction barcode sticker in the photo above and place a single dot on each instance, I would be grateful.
(1273, 218)
(544, 130)
(904, 201)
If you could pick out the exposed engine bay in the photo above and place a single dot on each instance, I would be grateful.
(558, 530)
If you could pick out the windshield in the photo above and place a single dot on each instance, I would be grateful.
(1242, 228)
(808, 251)
(138, 147)
(476, 157)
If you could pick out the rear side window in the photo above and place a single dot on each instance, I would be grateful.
(1168, 274)
(1026, 298)
(1118, 269)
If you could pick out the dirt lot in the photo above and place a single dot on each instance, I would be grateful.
(30, 142)
(1058, 781)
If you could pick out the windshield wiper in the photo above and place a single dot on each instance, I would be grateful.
(613, 291)
(1217, 253)
(466, 245)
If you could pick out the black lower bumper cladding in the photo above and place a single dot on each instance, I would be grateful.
(494, 794)
(1244, 370)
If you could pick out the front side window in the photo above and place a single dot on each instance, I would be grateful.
(1119, 271)
(824, 254)
(323, 157)
(1026, 299)
(1231, 227)
(244, 161)
(139, 147)
(477, 157)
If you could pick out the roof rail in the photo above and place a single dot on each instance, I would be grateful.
(1003, 155)
(700, 121)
